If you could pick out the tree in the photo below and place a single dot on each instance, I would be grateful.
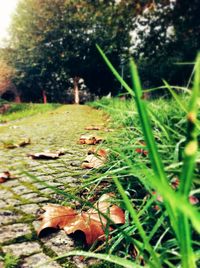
(166, 33)
(7, 88)
(53, 40)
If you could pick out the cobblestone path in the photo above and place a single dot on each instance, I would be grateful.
(21, 198)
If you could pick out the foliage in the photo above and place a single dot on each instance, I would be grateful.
(55, 40)
(52, 41)
(165, 34)
(6, 74)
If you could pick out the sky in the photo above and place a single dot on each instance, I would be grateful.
(7, 7)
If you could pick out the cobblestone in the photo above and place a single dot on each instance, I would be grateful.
(23, 249)
(59, 242)
(12, 202)
(13, 231)
(25, 196)
(21, 189)
(30, 208)
(7, 216)
(39, 260)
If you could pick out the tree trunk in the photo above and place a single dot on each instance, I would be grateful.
(76, 91)
(44, 97)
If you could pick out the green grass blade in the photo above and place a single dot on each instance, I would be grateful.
(178, 201)
(146, 126)
(105, 257)
(114, 71)
(160, 125)
(192, 133)
(175, 96)
(190, 152)
(137, 222)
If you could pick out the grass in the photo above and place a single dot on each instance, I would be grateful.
(153, 165)
(21, 110)
(10, 261)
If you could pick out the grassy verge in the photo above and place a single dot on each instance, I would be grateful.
(154, 164)
(20, 110)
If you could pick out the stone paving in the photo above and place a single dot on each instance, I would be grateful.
(22, 198)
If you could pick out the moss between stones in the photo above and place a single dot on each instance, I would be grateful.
(20, 239)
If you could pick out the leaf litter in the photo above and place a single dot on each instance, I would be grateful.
(93, 127)
(6, 175)
(13, 145)
(89, 139)
(91, 222)
(47, 155)
(96, 158)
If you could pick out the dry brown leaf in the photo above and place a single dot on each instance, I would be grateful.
(24, 143)
(193, 200)
(89, 139)
(91, 223)
(13, 145)
(6, 175)
(91, 161)
(95, 158)
(47, 155)
(175, 182)
(141, 151)
(9, 145)
(100, 152)
(93, 128)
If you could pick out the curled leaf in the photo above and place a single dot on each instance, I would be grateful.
(99, 152)
(90, 139)
(6, 175)
(193, 200)
(141, 151)
(175, 183)
(47, 155)
(24, 143)
(93, 128)
(91, 223)
(95, 158)
(13, 145)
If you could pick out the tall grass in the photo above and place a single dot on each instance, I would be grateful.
(165, 225)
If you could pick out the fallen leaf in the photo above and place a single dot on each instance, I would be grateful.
(95, 158)
(141, 151)
(6, 175)
(47, 155)
(24, 143)
(193, 200)
(91, 223)
(9, 145)
(93, 128)
(100, 152)
(89, 139)
(175, 183)
(13, 145)
(158, 197)
(91, 161)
